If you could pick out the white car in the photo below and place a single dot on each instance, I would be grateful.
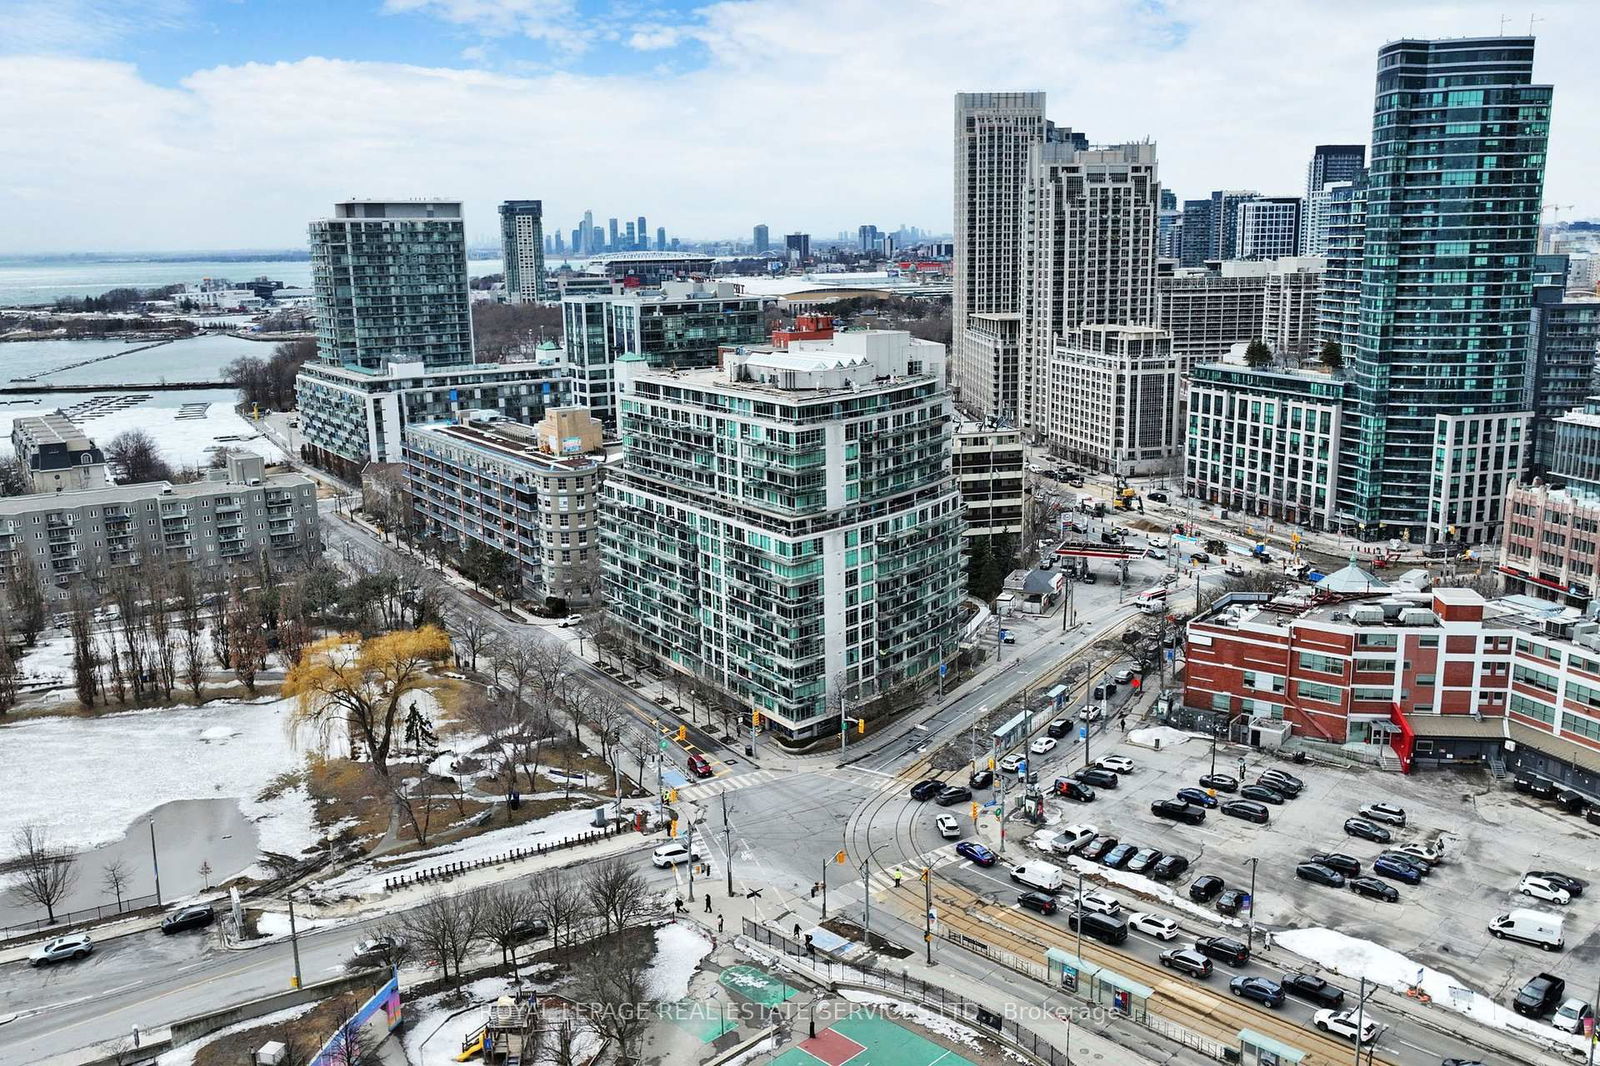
(1234, 569)
(1539, 888)
(1043, 746)
(1157, 926)
(949, 828)
(1099, 903)
(62, 948)
(1346, 1023)
(1074, 837)
(1011, 762)
(1571, 1016)
(674, 853)
(1092, 713)
(1117, 764)
(1156, 542)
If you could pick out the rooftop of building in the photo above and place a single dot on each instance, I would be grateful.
(395, 371)
(421, 207)
(858, 361)
(165, 491)
(502, 437)
(52, 428)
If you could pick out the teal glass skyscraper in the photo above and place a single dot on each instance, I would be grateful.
(1439, 419)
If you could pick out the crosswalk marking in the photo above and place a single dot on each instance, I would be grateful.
(733, 783)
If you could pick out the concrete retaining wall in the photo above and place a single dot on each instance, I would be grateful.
(187, 1029)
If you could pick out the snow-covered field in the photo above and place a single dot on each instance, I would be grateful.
(679, 949)
(1380, 965)
(105, 772)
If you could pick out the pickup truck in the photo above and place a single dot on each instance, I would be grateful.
(1539, 996)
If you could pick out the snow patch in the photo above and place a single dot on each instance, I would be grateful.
(1352, 957)
(679, 949)
(184, 1054)
(1162, 736)
(934, 1022)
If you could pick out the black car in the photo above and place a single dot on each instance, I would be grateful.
(1088, 577)
(1168, 868)
(981, 779)
(1360, 827)
(1313, 988)
(1571, 802)
(1178, 811)
(952, 795)
(1373, 888)
(1156, 495)
(1058, 728)
(1074, 790)
(1262, 793)
(1249, 810)
(1573, 886)
(1042, 902)
(1231, 902)
(1223, 949)
(1186, 960)
(188, 918)
(1205, 888)
(1348, 865)
(1143, 860)
(1200, 558)
(1118, 856)
(1282, 780)
(1093, 775)
(1220, 782)
(926, 789)
(1536, 787)
(1096, 849)
(1422, 868)
(1197, 796)
(1319, 874)
(530, 928)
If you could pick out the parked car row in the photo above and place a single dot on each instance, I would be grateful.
(1567, 799)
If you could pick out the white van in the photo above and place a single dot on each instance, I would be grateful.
(1044, 876)
(1530, 927)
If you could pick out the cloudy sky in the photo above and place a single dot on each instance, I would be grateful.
(213, 124)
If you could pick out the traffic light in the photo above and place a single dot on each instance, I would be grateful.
(672, 828)
(683, 733)
(974, 812)
(926, 873)
(755, 718)
(991, 762)
(672, 795)
(1135, 684)
(861, 726)
(841, 858)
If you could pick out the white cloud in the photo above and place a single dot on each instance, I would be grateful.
(80, 25)
(654, 38)
(806, 114)
(555, 21)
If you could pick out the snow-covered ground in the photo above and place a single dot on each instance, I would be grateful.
(1168, 736)
(184, 441)
(434, 1036)
(105, 772)
(679, 949)
(366, 879)
(184, 1054)
(1355, 958)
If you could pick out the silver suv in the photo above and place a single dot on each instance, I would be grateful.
(62, 948)
(1384, 812)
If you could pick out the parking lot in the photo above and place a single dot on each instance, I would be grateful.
(1492, 837)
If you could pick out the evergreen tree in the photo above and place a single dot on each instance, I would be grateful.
(1332, 355)
(1257, 354)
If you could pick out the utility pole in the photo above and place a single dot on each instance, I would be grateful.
(154, 865)
(294, 944)
(727, 843)
(692, 862)
(866, 898)
(824, 887)
(927, 912)
(1254, 862)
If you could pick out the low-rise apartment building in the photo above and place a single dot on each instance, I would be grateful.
(228, 519)
(488, 480)
(1422, 678)
(58, 455)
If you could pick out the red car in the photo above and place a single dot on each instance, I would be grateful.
(700, 766)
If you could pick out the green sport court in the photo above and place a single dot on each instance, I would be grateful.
(868, 1040)
(757, 987)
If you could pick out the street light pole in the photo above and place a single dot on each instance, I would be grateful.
(1254, 862)
(927, 913)
(294, 943)
(727, 843)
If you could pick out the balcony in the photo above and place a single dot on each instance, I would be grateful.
(171, 511)
(177, 540)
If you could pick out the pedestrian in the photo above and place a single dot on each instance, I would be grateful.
(898, 877)
(677, 905)
(708, 903)
(813, 890)
(719, 923)
(796, 928)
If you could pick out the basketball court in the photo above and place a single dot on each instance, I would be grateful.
(868, 1040)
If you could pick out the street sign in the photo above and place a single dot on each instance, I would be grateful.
(943, 669)
(1083, 731)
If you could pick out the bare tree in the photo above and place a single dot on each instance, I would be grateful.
(191, 625)
(509, 914)
(46, 872)
(612, 978)
(641, 746)
(25, 598)
(472, 637)
(115, 878)
(85, 659)
(134, 457)
(616, 892)
(349, 1046)
(534, 726)
(446, 927)
(163, 633)
(294, 632)
(497, 720)
(247, 641)
(605, 714)
(8, 665)
(221, 618)
(560, 900)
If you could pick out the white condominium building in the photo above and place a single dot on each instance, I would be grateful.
(1114, 399)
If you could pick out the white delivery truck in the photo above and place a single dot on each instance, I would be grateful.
(1044, 876)
(1530, 927)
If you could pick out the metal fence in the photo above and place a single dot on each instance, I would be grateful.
(867, 975)
(128, 905)
(455, 869)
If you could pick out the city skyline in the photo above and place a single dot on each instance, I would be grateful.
(227, 89)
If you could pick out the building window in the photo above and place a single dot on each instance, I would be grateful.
(1537, 711)
(1536, 678)
(1377, 640)
(1322, 664)
(1312, 690)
